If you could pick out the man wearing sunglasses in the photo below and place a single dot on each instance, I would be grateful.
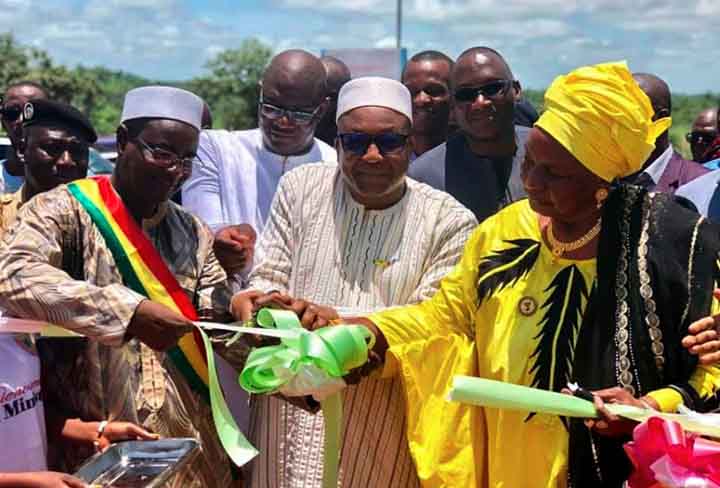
(665, 170)
(14, 99)
(233, 187)
(344, 239)
(703, 132)
(67, 260)
(480, 164)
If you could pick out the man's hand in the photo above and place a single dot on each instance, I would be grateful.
(703, 338)
(234, 247)
(158, 326)
(47, 479)
(124, 431)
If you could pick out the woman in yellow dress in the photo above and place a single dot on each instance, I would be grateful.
(588, 280)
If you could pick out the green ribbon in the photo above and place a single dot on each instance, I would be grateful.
(237, 447)
(335, 350)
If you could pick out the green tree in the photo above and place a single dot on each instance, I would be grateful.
(231, 86)
(24, 63)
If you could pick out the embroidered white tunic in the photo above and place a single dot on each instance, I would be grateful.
(235, 177)
(321, 245)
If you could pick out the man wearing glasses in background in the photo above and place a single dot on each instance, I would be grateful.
(14, 99)
(480, 164)
(349, 238)
(238, 172)
(703, 132)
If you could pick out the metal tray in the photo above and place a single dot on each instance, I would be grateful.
(138, 464)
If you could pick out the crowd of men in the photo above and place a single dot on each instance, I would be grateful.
(351, 195)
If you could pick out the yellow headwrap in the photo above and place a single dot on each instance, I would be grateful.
(600, 114)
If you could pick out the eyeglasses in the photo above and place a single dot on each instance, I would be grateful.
(488, 90)
(163, 158)
(11, 113)
(358, 143)
(274, 112)
(696, 137)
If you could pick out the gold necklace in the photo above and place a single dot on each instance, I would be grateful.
(560, 248)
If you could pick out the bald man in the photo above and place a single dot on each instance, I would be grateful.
(703, 131)
(337, 75)
(234, 182)
(480, 164)
(665, 170)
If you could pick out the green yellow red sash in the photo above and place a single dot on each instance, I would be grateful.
(143, 270)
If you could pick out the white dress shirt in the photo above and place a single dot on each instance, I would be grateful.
(235, 177)
(657, 167)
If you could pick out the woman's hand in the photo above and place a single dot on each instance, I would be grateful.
(313, 316)
(703, 337)
(45, 479)
(123, 431)
(612, 425)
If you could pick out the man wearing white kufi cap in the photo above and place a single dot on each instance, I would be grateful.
(66, 262)
(343, 240)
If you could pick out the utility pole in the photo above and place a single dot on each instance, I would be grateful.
(398, 27)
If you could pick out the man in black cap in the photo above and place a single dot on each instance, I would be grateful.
(53, 147)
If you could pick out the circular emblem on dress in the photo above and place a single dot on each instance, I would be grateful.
(28, 111)
(527, 306)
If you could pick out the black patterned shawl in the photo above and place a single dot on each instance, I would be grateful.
(656, 270)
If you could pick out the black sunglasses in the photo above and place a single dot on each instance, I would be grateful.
(700, 137)
(358, 143)
(11, 114)
(488, 90)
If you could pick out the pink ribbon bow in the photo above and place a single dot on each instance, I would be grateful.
(664, 455)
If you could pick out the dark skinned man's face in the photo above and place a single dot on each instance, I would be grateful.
(14, 101)
(53, 156)
(284, 135)
(137, 169)
(428, 83)
(485, 118)
(704, 131)
(374, 176)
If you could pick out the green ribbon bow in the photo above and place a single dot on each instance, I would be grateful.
(335, 350)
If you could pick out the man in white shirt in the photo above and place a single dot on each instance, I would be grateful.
(480, 164)
(665, 170)
(237, 173)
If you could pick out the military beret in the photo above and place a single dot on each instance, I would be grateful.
(49, 112)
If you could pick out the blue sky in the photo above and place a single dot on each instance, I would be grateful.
(172, 39)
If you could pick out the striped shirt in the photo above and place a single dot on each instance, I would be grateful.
(322, 246)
